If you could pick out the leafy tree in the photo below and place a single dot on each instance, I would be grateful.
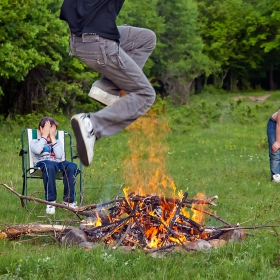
(21, 31)
(232, 43)
(182, 59)
(37, 72)
(177, 59)
(145, 14)
(222, 28)
(238, 37)
(28, 40)
(264, 33)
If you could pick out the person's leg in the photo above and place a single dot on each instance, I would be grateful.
(138, 43)
(273, 157)
(106, 57)
(49, 170)
(69, 172)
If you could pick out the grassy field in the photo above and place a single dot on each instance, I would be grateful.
(214, 145)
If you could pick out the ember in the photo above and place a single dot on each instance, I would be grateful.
(151, 221)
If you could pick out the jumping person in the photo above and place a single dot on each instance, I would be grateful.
(119, 54)
(47, 153)
(273, 136)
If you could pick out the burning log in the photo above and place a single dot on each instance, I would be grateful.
(150, 221)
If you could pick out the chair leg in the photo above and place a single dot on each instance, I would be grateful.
(81, 187)
(24, 191)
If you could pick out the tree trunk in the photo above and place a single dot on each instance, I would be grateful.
(271, 80)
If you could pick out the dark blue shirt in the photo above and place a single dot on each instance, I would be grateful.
(92, 16)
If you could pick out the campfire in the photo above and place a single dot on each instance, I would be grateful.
(152, 221)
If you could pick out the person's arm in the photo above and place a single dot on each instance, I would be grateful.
(56, 144)
(37, 145)
(58, 150)
(52, 133)
(276, 145)
(278, 127)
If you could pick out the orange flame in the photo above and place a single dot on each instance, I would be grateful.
(145, 174)
(97, 222)
(198, 216)
(145, 168)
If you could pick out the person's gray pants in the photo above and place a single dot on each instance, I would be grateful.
(120, 63)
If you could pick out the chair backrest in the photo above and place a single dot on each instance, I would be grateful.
(33, 134)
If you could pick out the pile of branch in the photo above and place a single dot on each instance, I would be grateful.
(150, 221)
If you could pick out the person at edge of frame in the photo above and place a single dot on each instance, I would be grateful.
(273, 136)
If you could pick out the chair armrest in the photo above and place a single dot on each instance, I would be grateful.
(22, 152)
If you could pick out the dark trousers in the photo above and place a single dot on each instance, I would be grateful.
(69, 171)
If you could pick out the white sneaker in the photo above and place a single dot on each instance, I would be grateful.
(83, 130)
(72, 205)
(50, 210)
(276, 178)
(102, 96)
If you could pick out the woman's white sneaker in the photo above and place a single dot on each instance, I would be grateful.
(85, 138)
(102, 96)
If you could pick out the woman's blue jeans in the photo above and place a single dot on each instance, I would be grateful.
(273, 157)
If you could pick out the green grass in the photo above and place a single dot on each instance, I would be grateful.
(216, 146)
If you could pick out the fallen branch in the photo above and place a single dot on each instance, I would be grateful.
(13, 232)
(86, 210)
(76, 211)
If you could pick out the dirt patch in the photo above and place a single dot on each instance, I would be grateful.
(253, 98)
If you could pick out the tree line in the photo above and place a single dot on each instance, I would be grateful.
(202, 45)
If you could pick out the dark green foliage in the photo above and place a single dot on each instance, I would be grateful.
(245, 113)
(177, 59)
(36, 70)
(28, 38)
(242, 39)
(181, 59)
